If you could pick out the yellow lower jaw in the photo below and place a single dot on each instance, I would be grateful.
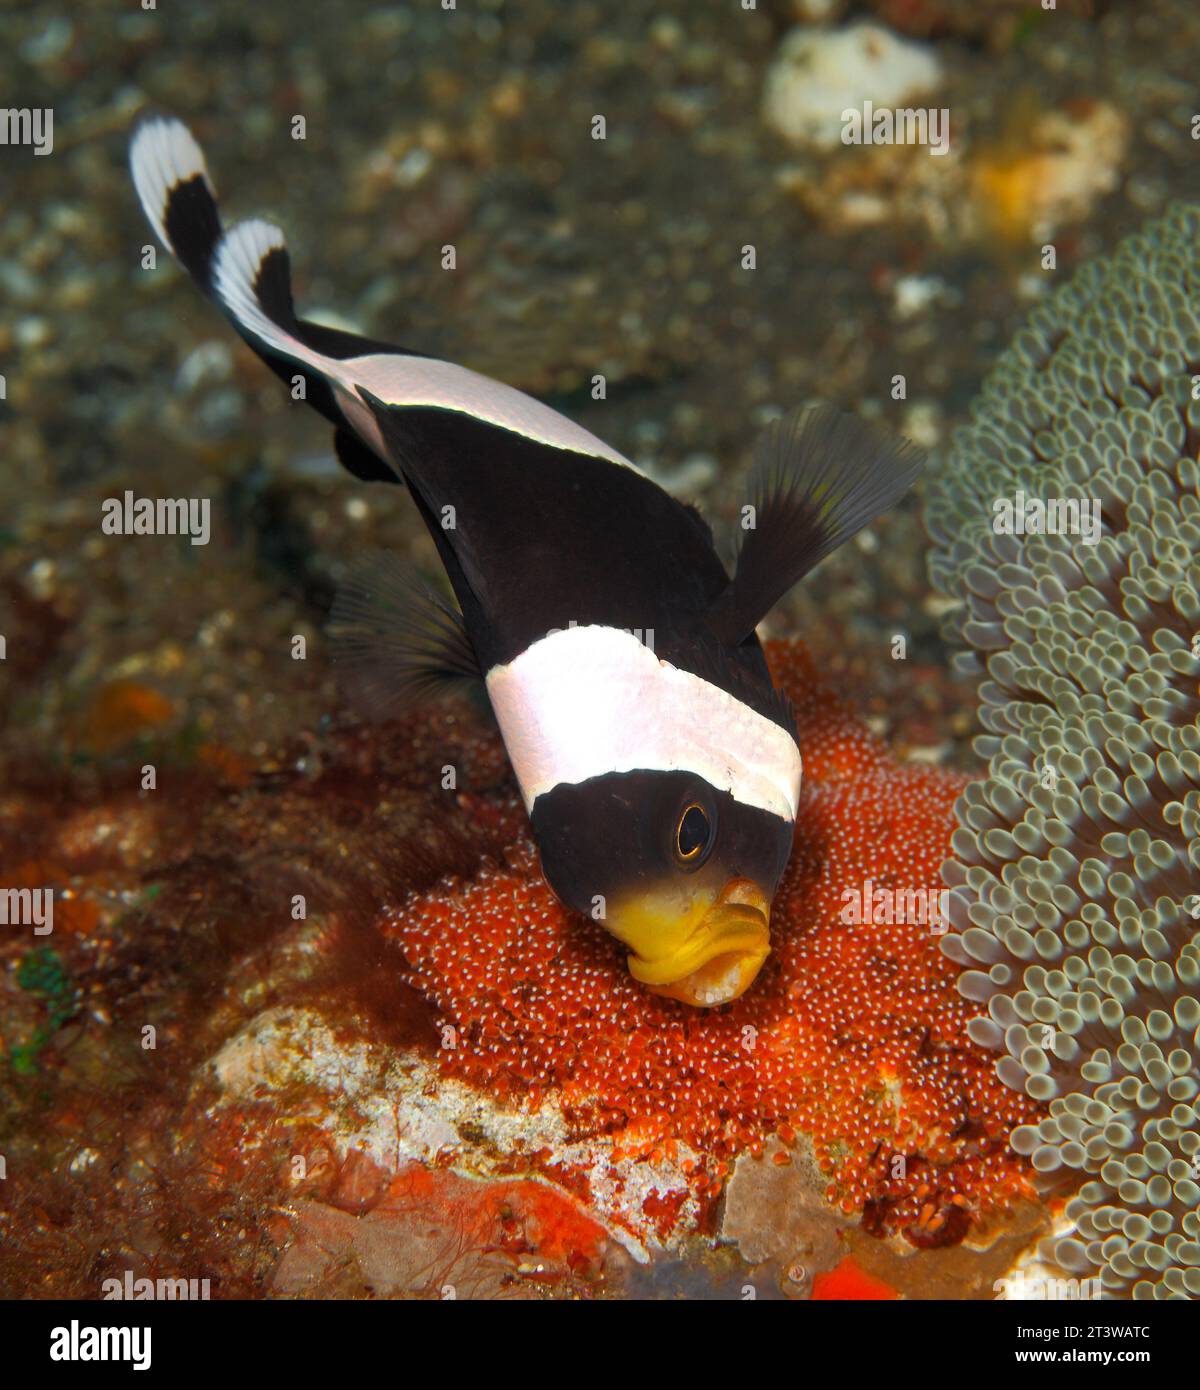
(717, 981)
(715, 963)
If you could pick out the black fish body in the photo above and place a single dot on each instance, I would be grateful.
(659, 765)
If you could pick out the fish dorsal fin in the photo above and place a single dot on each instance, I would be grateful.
(820, 475)
(397, 641)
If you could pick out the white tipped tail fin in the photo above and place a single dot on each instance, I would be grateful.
(175, 192)
(251, 279)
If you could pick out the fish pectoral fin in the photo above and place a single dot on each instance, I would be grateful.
(820, 475)
(397, 641)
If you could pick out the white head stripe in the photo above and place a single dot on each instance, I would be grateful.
(589, 700)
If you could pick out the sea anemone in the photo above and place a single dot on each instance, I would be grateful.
(1074, 874)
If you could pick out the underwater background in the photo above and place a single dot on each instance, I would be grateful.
(435, 1081)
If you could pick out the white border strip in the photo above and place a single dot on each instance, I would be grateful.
(396, 378)
(589, 700)
(415, 381)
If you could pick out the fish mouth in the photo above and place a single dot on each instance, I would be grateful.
(719, 958)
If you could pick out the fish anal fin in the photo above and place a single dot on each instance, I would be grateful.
(820, 476)
(397, 642)
(356, 458)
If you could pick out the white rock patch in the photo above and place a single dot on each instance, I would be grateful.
(396, 1107)
(821, 72)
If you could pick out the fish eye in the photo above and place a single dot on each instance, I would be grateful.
(693, 834)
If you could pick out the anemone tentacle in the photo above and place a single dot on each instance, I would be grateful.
(1076, 868)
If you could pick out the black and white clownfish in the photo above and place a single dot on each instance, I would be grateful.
(658, 764)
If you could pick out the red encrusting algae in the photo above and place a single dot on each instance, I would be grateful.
(848, 1281)
(853, 1034)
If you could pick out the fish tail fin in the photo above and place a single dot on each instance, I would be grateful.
(252, 282)
(176, 193)
(247, 271)
(820, 476)
(245, 268)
